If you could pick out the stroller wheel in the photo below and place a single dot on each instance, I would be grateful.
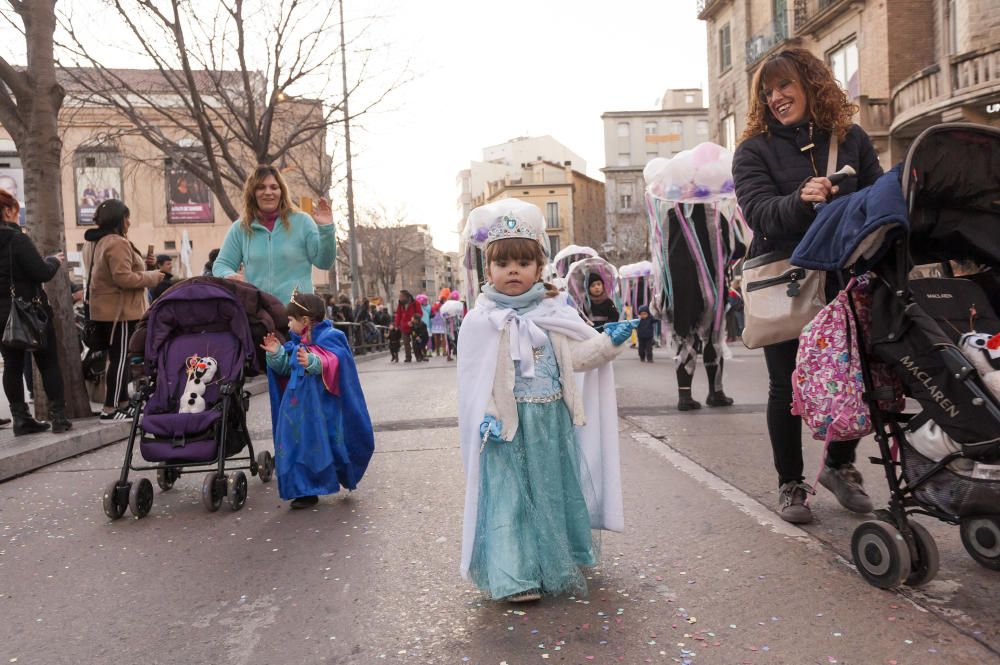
(265, 466)
(981, 538)
(166, 478)
(211, 497)
(237, 484)
(880, 554)
(925, 567)
(140, 497)
(113, 508)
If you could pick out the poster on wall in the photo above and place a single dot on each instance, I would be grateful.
(12, 180)
(93, 185)
(188, 199)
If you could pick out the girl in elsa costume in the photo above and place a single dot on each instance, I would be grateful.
(537, 417)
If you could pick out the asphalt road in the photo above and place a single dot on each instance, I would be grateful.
(704, 572)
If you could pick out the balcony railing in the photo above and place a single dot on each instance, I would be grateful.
(976, 69)
(761, 44)
(808, 12)
(874, 116)
(919, 89)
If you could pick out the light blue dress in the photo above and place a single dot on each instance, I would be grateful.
(532, 527)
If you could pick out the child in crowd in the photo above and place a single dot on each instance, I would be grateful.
(322, 432)
(539, 474)
(645, 332)
(602, 308)
(418, 329)
(395, 340)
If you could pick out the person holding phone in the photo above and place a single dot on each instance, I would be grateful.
(796, 110)
(119, 277)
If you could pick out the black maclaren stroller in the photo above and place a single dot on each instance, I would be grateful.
(945, 460)
(190, 408)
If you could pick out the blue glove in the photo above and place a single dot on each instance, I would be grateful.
(491, 425)
(620, 331)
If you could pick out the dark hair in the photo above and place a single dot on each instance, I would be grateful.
(111, 214)
(826, 103)
(7, 200)
(306, 304)
(214, 254)
(163, 258)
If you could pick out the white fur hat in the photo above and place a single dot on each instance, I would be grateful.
(508, 218)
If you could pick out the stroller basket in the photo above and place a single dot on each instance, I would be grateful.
(948, 491)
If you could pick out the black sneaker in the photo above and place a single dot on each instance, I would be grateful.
(117, 414)
(304, 502)
(718, 399)
(792, 503)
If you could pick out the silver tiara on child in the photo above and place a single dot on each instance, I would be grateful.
(506, 219)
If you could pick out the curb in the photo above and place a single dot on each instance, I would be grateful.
(22, 455)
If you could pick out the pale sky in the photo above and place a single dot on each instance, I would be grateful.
(483, 73)
(490, 71)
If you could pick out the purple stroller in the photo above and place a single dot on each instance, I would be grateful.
(190, 409)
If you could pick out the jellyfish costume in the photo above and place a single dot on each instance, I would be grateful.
(691, 201)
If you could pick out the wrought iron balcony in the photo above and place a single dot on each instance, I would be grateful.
(761, 44)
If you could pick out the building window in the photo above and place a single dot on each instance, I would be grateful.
(689, 99)
(624, 159)
(677, 127)
(552, 215)
(702, 128)
(727, 131)
(725, 49)
(844, 62)
(626, 200)
(650, 127)
(553, 244)
(623, 130)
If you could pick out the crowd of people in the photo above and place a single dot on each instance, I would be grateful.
(528, 442)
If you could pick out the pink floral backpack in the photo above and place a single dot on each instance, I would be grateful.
(827, 385)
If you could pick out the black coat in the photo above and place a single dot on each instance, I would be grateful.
(29, 270)
(769, 170)
(646, 328)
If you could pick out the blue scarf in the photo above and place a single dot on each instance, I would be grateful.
(525, 302)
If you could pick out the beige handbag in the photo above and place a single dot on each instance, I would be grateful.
(779, 299)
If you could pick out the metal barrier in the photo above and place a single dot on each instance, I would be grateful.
(364, 337)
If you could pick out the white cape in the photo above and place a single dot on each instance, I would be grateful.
(479, 341)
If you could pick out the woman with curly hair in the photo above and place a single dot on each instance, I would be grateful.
(796, 109)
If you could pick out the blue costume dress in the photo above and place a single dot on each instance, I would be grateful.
(532, 526)
(323, 436)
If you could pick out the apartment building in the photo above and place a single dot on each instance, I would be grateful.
(908, 64)
(631, 140)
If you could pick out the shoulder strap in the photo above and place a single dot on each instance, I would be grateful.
(831, 160)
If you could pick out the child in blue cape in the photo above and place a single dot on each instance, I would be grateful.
(323, 435)
(540, 471)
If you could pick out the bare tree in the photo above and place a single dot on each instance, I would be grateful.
(30, 100)
(222, 97)
(388, 246)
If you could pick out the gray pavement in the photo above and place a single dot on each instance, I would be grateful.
(704, 572)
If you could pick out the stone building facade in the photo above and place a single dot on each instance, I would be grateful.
(103, 158)
(572, 202)
(631, 139)
(906, 63)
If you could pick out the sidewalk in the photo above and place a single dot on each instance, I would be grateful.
(25, 454)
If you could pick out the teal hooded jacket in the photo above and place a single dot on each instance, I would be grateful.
(278, 261)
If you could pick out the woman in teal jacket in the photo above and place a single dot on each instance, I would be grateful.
(275, 244)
